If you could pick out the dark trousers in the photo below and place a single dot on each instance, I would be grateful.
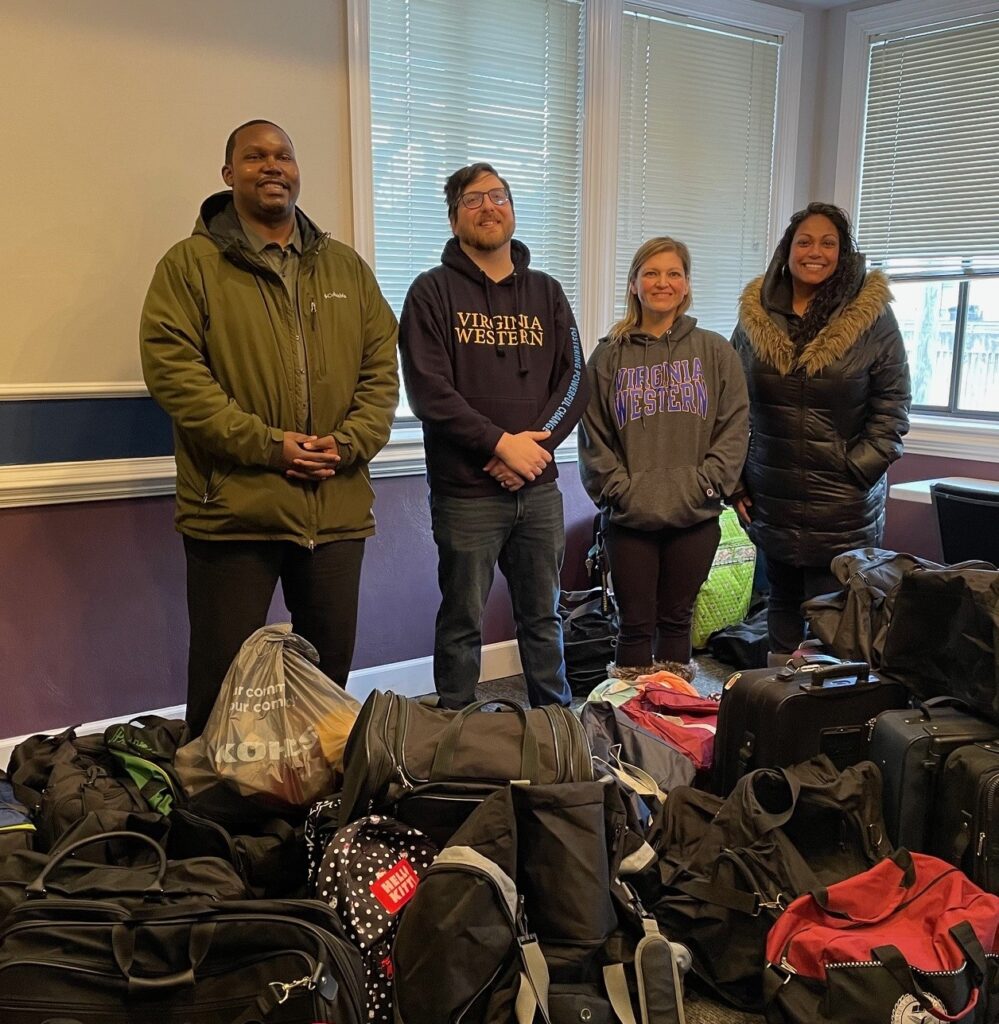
(790, 585)
(230, 585)
(657, 574)
(524, 533)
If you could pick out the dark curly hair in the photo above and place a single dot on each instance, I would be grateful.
(830, 293)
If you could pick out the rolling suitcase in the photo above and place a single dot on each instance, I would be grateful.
(911, 748)
(966, 816)
(815, 705)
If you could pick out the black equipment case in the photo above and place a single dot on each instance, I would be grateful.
(911, 748)
(966, 831)
(816, 704)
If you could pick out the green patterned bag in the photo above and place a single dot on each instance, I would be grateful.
(724, 598)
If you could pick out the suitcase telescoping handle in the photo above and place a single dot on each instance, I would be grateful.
(530, 759)
(155, 887)
(815, 679)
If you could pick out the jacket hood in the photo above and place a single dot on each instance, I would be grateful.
(219, 221)
(770, 341)
(455, 257)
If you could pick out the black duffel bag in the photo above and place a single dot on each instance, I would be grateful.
(115, 956)
(729, 867)
(430, 767)
(30, 876)
(589, 636)
(943, 639)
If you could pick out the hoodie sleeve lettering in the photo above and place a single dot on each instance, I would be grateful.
(571, 391)
(172, 348)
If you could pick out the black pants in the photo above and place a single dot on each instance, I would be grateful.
(657, 574)
(790, 585)
(230, 585)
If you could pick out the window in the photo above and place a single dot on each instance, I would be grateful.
(929, 203)
(695, 146)
(613, 122)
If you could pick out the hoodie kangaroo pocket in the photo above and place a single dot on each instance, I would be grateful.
(511, 414)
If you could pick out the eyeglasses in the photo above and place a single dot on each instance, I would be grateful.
(497, 196)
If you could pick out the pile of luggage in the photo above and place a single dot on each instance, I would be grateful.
(829, 854)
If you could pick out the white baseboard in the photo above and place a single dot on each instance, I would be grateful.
(410, 678)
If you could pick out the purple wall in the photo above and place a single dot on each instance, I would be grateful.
(93, 621)
(92, 616)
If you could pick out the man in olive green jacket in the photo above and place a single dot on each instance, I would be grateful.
(271, 347)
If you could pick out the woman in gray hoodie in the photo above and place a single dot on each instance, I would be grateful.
(661, 443)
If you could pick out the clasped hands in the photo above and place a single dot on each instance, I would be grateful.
(518, 458)
(308, 457)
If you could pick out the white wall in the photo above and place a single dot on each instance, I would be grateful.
(115, 119)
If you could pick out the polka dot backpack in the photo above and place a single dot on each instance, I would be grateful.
(368, 874)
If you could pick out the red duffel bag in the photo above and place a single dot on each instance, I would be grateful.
(911, 941)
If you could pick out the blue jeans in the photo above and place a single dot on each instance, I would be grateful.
(525, 534)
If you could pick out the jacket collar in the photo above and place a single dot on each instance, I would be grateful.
(772, 345)
(219, 221)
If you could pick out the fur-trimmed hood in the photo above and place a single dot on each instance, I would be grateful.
(773, 346)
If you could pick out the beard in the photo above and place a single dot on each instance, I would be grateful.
(486, 240)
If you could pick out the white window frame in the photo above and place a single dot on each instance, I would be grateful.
(944, 436)
(601, 98)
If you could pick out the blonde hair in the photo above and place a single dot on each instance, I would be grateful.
(632, 307)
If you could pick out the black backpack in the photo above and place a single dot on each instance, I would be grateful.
(524, 912)
(589, 636)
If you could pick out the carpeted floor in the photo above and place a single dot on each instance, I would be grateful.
(711, 674)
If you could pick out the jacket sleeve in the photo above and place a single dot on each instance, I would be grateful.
(172, 349)
(571, 392)
(429, 374)
(722, 466)
(600, 466)
(368, 423)
(889, 397)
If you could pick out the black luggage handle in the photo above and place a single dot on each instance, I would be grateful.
(816, 678)
(154, 889)
(123, 948)
(530, 758)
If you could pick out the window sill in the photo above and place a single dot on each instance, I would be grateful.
(951, 437)
(61, 483)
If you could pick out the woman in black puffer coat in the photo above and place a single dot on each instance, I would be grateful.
(829, 404)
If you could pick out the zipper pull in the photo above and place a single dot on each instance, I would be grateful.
(981, 844)
(312, 310)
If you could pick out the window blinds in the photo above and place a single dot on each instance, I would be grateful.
(929, 193)
(455, 83)
(696, 152)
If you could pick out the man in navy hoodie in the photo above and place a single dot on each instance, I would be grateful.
(494, 369)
